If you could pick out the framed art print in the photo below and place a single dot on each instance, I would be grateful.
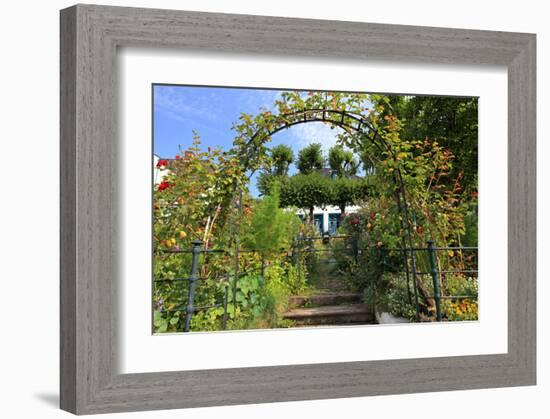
(264, 209)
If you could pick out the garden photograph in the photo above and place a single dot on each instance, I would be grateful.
(279, 209)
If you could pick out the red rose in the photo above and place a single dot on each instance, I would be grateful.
(372, 215)
(474, 194)
(162, 162)
(177, 156)
(164, 185)
(355, 221)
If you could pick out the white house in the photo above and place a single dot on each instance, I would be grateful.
(327, 219)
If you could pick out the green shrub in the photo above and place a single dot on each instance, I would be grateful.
(396, 297)
(272, 228)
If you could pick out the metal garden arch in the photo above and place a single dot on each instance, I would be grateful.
(354, 124)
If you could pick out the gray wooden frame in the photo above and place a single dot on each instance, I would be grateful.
(89, 39)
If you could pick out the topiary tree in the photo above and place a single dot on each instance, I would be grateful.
(306, 191)
(368, 162)
(346, 191)
(310, 159)
(281, 158)
(342, 161)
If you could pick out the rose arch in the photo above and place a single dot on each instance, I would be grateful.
(256, 131)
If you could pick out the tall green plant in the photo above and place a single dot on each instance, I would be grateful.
(272, 228)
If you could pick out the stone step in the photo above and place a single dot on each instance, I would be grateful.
(331, 315)
(324, 299)
(335, 286)
(328, 289)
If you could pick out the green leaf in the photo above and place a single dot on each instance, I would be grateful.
(240, 297)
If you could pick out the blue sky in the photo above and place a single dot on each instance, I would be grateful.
(211, 111)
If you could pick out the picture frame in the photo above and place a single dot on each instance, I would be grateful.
(90, 36)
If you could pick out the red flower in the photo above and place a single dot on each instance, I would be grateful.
(373, 216)
(355, 221)
(162, 162)
(474, 194)
(177, 156)
(164, 185)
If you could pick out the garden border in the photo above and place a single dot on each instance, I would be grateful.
(90, 36)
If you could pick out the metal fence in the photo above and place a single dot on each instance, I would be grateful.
(304, 245)
(429, 255)
(230, 280)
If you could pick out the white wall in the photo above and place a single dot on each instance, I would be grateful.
(30, 71)
(325, 211)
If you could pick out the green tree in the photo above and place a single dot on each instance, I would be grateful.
(310, 159)
(306, 191)
(368, 162)
(265, 182)
(346, 191)
(281, 158)
(342, 161)
(451, 121)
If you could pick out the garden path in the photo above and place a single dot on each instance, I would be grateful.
(330, 302)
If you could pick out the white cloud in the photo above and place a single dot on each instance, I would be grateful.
(315, 132)
(254, 100)
(185, 103)
(174, 101)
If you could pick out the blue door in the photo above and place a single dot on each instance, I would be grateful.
(333, 223)
(318, 221)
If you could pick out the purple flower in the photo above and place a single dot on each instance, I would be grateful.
(160, 302)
